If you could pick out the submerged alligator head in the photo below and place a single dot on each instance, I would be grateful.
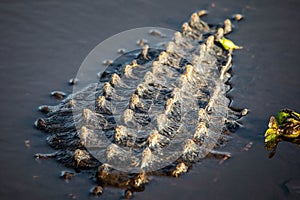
(155, 113)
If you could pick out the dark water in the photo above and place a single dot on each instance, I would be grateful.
(44, 42)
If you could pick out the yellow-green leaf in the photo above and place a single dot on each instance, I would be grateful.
(228, 44)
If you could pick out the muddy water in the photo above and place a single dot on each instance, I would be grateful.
(44, 42)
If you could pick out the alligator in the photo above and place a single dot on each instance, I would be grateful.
(156, 112)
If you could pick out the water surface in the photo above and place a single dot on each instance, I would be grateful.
(44, 42)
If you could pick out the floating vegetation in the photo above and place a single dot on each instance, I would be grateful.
(284, 127)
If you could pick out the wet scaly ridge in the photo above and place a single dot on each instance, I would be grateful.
(154, 115)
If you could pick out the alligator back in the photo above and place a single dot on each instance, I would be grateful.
(154, 111)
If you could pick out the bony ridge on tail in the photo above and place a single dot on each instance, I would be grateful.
(180, 100)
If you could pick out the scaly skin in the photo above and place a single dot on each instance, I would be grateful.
(177, 95)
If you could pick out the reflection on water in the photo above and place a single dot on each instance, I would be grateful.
(43, 44)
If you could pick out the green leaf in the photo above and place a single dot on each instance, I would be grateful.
(270, 135)
(282, 116)
(228, 44)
